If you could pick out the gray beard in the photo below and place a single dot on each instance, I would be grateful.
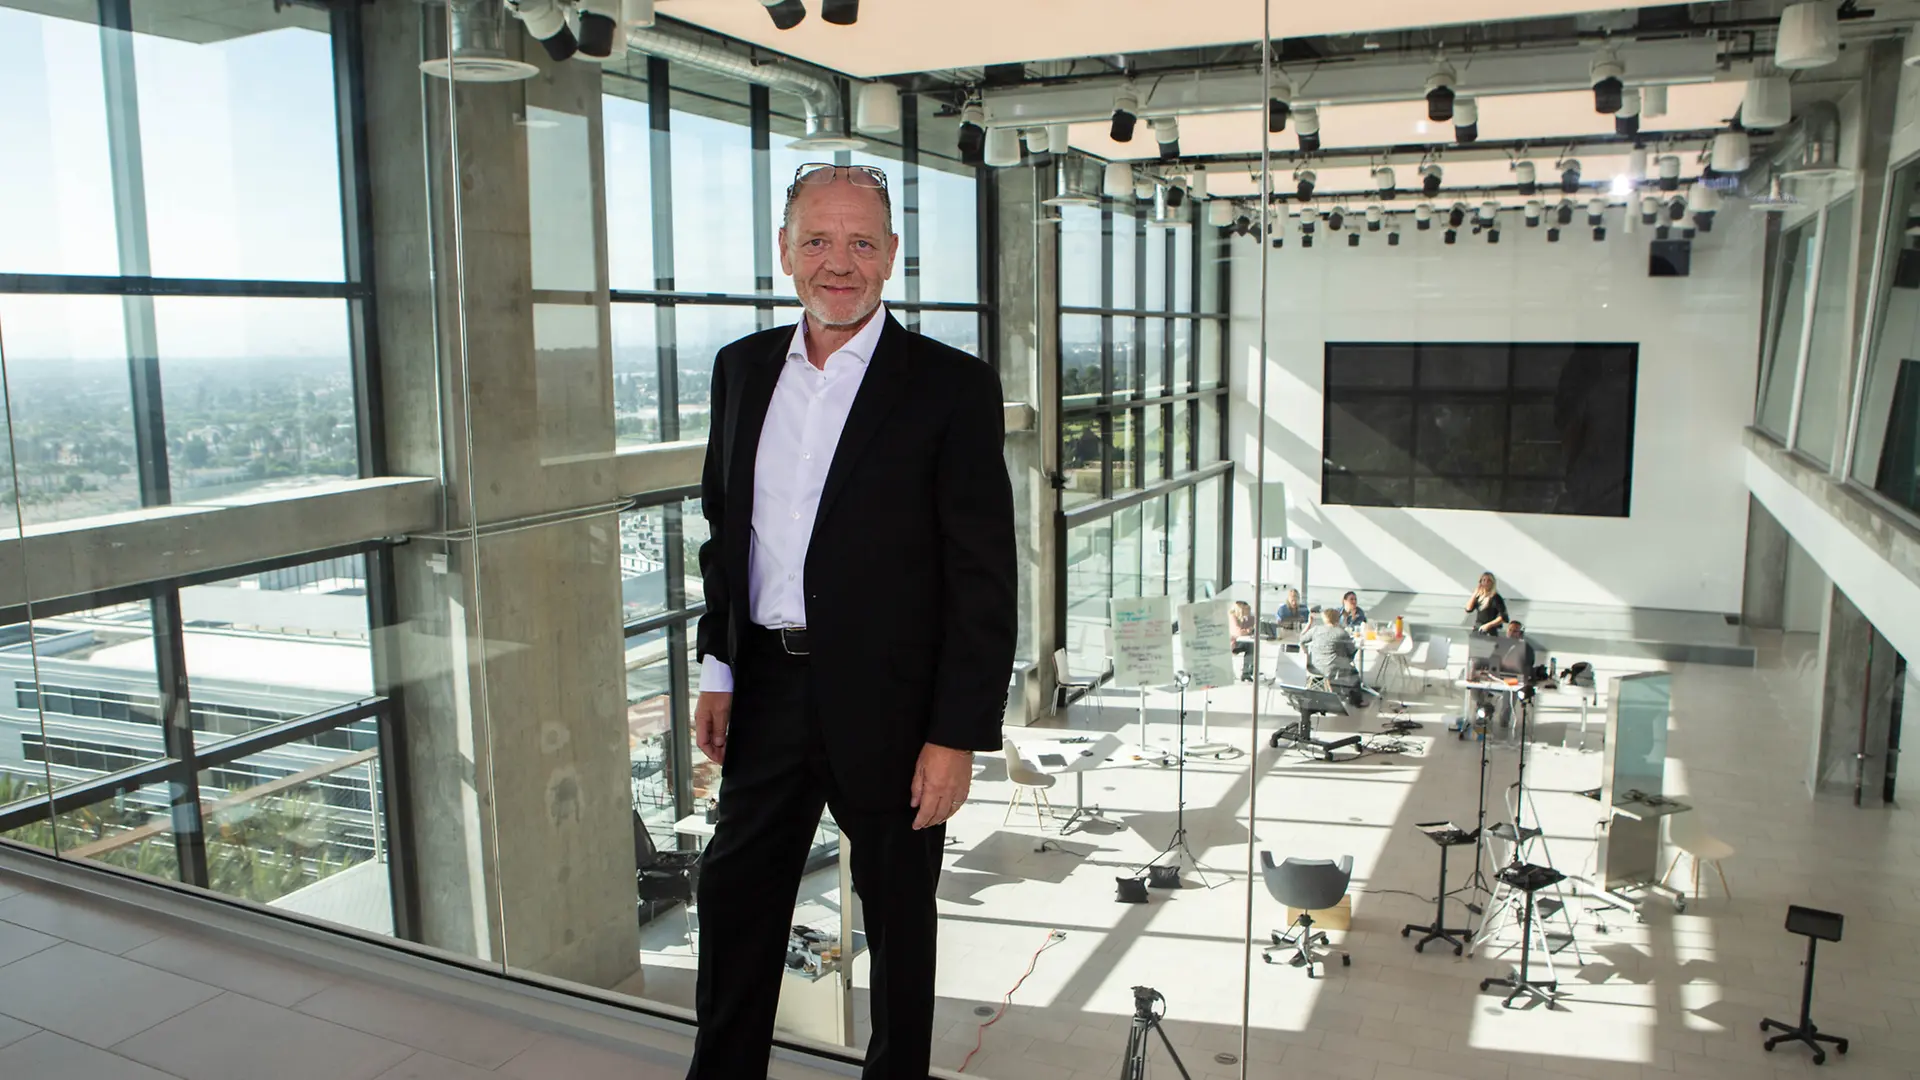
(825, 324)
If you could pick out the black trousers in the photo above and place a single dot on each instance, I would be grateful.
(775, 782)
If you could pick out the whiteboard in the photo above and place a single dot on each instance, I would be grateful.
(1142, 641)
(1206, 642)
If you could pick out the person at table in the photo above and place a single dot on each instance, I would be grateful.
(1243, 637)
(1487, 607)
(1352, 616)
(1330, 652)
(1293, 611)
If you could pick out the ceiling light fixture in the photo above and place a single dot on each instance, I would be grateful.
(1374, 217)
(1077, 183)
(1597, 217)
(1457, 215)
(840, 12)
(1705, 202)
(1303, 183)
(1118, 181)
(1166, 131)
(1440, 92)
(1669, 173)
(1466, 121)
(546, 20)
(1452, 236)
(1809, 36)
(1306, 122)
(1353, 239)
(1220, 213)
(1430, 177)
(1767, 104)
(1126, 112)
(973, 134)
(1423, 217)
(1279, 105)
(1002, 148)
(1526, 177)
(1563, 214)
(1626, 122)
(1605, 73)
(1384, 181)
(786, 14)
(1570, 176)
(1732, 151)
(1649, 210)
(1533, 210)
(1197, 184)
(1337, 218)
(876, 109)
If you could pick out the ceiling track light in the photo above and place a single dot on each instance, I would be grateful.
(1375, 215)
(1117, 183)
(1306, 122)
(1143, 188)
(1732, 151)
(1430, 178)
(1563, 214)
(1569, 176)
(1303, 183)
(1669, 166)
(1457, 215)
(1166, 131)
(1440, 93)
(1532, 212)
(1279, 105)
(786, 14)
(1626, 121)
(546, 20)
(1649, 210)
(1039, 141)
(1596, 212)
(840, 12)
(1337, 218)
(1677, 209)
(1809, 36)
(1126, 113)
(1220, 213)
(1605, 74)
(973, 134)
(1001, 150)
(1353, 239)
(1452, 236)
(1384, 181)
(1705, 201)
(1553, 235)
(1768, 103)
(1466, 121)
(1393, 238)
(1423, 217)
(1526, 177)
(1197, 183)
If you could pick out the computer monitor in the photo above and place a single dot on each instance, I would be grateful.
(1510, 656)
(1480, 648)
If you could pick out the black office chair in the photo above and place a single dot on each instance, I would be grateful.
(1310, 885)
(663, 877)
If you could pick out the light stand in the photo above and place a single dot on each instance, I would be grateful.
(1179, 840)
(1146, 1021)
(1482, 856)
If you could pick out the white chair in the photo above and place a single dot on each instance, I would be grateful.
(1688, 835)
(1394, 662)
(1065, 684)
(1029, 783)
(1434, 656)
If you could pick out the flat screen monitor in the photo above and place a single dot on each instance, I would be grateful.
(1510, 656)
(1480, 649)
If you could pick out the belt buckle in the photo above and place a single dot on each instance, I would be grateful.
(787, 648)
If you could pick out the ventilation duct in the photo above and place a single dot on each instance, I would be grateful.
(1076, 182)
(826, 117)
(1814, 152)
(476, 46)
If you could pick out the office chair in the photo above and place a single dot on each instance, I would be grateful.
(1065, 684)
(1308, 885)
(664, 877)
(1027, 781)
(1688, 835)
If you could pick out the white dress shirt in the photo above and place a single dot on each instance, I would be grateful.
(804, 420)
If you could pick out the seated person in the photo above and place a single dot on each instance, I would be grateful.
(1330, 651)
(1352, 616)
(1242, 619)
(1293, 611)
(1518, 632)
(1488, 704)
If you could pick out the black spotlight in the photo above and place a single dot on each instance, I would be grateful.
(1564, 214)
(786, 14)
(973, 136)
(1440, 103)
(1625, 125)
(1306, 239)
(1599, 233)
(1306, 123)
(1452, 236)
(1466, 121)
(1430, 180)
(1277, 113)
(1175, 196)
(1570, 177)
(1126, 109)
(547, 22)
(1353, 239)
(1393, 238)
(1279, 240)
(1241, 224)
(1455, 216)
(840, 12)
(1336, 219)
(1493, 236)
(1605, 73)
(1677, 210)
(1663, 232)
(1304, 187)
(1553, 235)
(596, 34)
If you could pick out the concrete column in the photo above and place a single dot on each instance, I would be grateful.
(498, 379)
(1763, 599)
(1028, 352)
(1856, 705)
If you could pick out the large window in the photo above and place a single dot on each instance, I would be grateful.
(1793, 271)
(1829, 345)
(1528, 428)
(1886, 454)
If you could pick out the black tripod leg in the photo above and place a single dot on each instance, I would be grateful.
(1171, 1052)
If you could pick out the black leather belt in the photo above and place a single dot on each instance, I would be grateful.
(791, 640)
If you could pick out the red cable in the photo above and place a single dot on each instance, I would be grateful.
(980, 1037)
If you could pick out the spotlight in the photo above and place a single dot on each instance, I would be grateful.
(1768, 103)
(1649, 210)
(973, 134)
(1532, 213)
(1303, 183)
(1383, 179)
(1452, 236)
(876, 110)
(1166, 130)
(1002, 148)
(1563, 214)
(1353, 239)
(1489, 212)
(1430, 177)
(1197, 184)
(596, 33)
(1669, 172)
(840, 12)
(1663, 232)
(1596, 212)
(1809, 36)
(1599, 233)
(786, 14)
(1176, 195)
(1653, 101)
(1627, 120)
(546, 20)
(1126, 112)
(1242, 225)
(1606, 71)
(1374, 216)
(1220, 213)
(1423, 217)
(1553, 235)
(1457, 215)
(1306, 121)
(1306, 239)
(1570, 176)
(1279, 105)
(1705, 202)
(1117, 181)
(1493, 234)
(1393, 238)
(1337, 218)
(1732, 151)
(1142, 188)
(1677, 210)
(1279, 240)
(1527, 177)
(1038, 140)
(1637, 165)
(1466, 121)
(1440, 93)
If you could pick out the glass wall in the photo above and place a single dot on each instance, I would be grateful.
(1793, 270)
(1830, 339)
(1886, 451)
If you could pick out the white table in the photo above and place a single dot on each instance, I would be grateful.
(1102, 752)
(695, 825)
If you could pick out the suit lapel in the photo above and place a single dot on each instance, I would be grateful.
(879, 392)
(743, 430)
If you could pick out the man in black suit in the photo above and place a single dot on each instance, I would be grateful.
(860, 624)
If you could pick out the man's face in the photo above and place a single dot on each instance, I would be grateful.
(839, 251)
(1513, 629)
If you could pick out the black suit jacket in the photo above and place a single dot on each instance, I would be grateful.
(911, 598)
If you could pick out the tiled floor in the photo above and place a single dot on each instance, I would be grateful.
(91, 993)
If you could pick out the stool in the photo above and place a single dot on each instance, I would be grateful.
(1529, 879)
(1445, 835)
(1816, 926)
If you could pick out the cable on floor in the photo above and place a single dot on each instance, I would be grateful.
(1054, 937)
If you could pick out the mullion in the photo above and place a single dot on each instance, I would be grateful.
(176, 731)
(910, 196)
(665, 323)
(760, 120)
(679, 718)
(356, 204)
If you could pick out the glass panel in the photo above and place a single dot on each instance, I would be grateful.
(960, 329)
(649, 731)
(1154, 297)
(1210, 409)
(700, 333)
(1212, 267)
(1081, 459)
(1126, 354)
(132, 831)
(694, 531)
(1182, 356)
(96, 695)
(1180, 545)
(949, 233)
(1153, 445)
(1153, 353)
(1081, 379)
(1089, 585)
(258, 394)
(712, 181)
(246, 182)
(1080, 256)
(629, 182)
(1183, 244)
(1211, 346)
(71, 401)
(1180, 450)
(1126, 255)
(1830, 354)
(636, 374)
(1127, 554)
(301, 827)
(643, 565)
(1125, 438)
(56, 191)
(1789, 318)
(1887, 446)
(1153, 548)
(1207, 537)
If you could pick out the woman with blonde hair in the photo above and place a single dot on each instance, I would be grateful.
(1489, 608)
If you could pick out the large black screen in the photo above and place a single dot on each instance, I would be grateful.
(1519, 428)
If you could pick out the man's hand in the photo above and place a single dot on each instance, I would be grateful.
(711, 713)
(940, 783)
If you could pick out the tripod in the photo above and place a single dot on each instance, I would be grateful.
(1482, 857)
(1145, 1020)
(1179, 840)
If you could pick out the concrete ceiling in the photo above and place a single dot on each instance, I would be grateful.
(902, 36)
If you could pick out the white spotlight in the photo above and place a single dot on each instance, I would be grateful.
(1705, 202)
(1375, 215)
(1768, 103)
(1649, 210)
(876, 111)
(1057, 141)
(1627, 120)
(1037, 139)
(1423, 217)
(1653, 101)
(1809, 36)
(1197, 185)
(1527, 177)
(1306, 122)
(1142, 188)
(1166, 131)
(1220, 212)
(1605, 74)
(1118, 182)
(1466, 120)
(1533, 211)
(1383, 180)
(1637, 164)
(1003, 147)
(1732, 152)
(1669, 173)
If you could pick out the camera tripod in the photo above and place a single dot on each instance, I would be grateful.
(1145, 1020)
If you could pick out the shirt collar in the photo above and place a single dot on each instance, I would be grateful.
(860, 346)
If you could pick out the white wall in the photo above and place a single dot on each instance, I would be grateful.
(1683, 545)
(1806, 593)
